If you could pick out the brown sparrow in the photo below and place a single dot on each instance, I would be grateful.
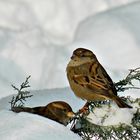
(89, 80)
(58, 111)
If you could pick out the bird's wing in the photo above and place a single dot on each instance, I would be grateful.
(105, 79)
(99, 82)
(81, 80)
(91, 84)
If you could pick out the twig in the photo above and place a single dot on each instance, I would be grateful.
(22, 94)
(134, 74)
(87, 130)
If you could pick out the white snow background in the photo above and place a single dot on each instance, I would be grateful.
(37, 38)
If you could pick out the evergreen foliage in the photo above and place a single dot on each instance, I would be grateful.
(22, 94)
(88, 130)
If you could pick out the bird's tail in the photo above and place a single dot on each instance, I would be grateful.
(121, 103)
(22, 109)
(35, 110)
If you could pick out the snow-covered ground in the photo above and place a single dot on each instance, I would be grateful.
(37, 38)
(26, 126)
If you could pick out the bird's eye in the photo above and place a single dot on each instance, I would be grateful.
(64, 109)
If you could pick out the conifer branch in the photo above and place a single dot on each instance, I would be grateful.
(88, 130)
(22, 94)
(127, 82)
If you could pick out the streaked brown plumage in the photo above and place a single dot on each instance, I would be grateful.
(89, 80)
(58, 111)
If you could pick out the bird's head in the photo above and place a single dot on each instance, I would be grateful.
(60, 111)
(82, 54)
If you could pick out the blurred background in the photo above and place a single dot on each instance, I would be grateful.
(37, 38)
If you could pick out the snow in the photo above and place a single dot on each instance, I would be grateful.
(43, 97)
(37, 38)
(26, 126)
(112, 115)
(37, 35)
(114, 34)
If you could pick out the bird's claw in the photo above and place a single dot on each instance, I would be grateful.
(84, 110)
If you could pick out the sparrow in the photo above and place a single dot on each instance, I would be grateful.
(89, 80)
(58, 111)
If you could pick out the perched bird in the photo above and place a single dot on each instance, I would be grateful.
(89, 80)
(58, 111)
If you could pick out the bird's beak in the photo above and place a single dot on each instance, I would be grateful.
(73, 56)
(70, 114)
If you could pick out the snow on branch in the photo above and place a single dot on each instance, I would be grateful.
(106, 121)
(88, 130)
